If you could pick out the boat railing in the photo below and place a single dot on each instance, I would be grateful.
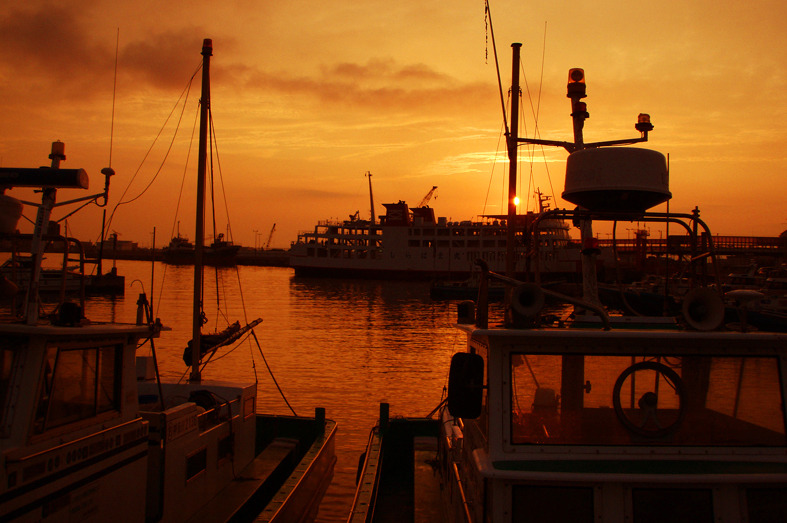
(221, 413)
(524, 300)
(70, 246)
(701, 245)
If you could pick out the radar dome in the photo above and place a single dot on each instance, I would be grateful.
(617, 179)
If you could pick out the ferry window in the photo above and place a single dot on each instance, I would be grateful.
(77, 384)
(622, 400)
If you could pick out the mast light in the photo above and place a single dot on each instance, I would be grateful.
(576, 83)
(643, 124)
(581, 110)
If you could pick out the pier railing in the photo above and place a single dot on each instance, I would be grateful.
(681, 245)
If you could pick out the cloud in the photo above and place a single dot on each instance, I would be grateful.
(54, 48)
(165, 60)
(382, 84)
(49, 46)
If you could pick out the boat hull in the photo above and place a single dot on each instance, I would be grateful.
(84, 480)
(396, 480)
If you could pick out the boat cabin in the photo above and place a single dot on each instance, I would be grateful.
(622, 425)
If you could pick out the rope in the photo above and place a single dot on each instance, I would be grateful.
(271, 374)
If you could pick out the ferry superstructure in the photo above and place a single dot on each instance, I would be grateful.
(414, 244)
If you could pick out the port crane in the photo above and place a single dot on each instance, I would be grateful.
(428, 196)
(270, 237)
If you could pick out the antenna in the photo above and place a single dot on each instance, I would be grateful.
(109, 170)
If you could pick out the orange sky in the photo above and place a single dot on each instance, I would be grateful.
(308, 96)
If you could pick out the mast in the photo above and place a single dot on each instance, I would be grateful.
(512, 143)
(371, 197)
(49, 194)
(199, 239)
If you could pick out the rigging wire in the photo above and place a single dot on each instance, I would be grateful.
(213, 145)
(183, 96)
(488, 16)
(534, 110)
(114, 92)
(180, 193)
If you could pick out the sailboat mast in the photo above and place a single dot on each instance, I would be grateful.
(199, 236)
(513, 145)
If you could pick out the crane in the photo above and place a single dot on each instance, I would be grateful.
(428, 196)
(270, 237)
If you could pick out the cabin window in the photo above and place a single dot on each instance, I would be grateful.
(622, 400)
(225, 447)
(78, 384)
(7, 355)
(671, 504)
(196, 463)
(555, 504)
(766, 504)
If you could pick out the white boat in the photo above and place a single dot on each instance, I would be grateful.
(600, 419)
(83, 440)
(414, 244)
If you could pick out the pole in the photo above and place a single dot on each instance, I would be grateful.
(199, 236)
(41, 228)
(513, 143)
(576, 91)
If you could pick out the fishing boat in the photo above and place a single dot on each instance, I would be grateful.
(415, 244)
(91, 433)
(594, 417)
(219, 253)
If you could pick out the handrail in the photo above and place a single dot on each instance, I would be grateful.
(483, 301)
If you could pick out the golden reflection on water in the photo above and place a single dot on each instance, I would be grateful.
(340, 344)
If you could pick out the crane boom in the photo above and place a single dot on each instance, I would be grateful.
(428, 196)
(270, 237)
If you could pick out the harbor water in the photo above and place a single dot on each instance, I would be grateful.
(344, 345)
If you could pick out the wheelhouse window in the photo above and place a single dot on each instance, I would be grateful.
(623, 400)
(78, 383)
(7, 355)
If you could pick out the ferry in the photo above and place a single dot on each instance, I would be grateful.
(590, 417)
(412, 243)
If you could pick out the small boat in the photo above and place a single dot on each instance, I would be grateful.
(397, 477)
(91, 433)
(219, 253)
(604, 418)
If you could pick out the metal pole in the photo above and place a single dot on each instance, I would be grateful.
(41, 227)
(513, 144)
(199, 236)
